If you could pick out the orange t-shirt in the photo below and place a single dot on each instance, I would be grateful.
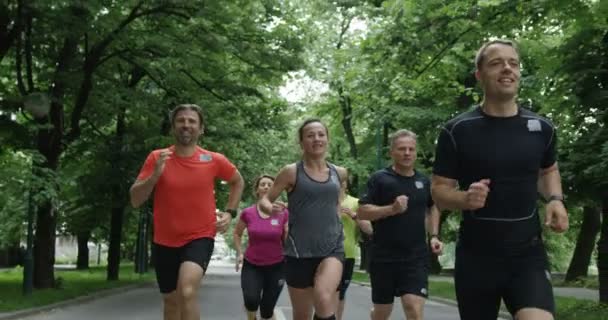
(184, 196)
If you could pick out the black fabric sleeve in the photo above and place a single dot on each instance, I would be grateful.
(446, 160)
(430, 201)
(550, 152)
(370, 195)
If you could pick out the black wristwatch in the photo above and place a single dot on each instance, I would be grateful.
(556, 197)
(232, 212)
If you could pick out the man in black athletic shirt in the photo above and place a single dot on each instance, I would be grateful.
(398, 201)
(491, 163)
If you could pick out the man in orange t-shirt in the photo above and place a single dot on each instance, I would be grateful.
(183, 179)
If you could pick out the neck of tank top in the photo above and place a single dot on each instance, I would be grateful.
(315, 163)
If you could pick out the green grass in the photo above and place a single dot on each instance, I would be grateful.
(584, 282)
(74, 283)
(567, 308)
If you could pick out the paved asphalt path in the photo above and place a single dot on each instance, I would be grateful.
(220, 299)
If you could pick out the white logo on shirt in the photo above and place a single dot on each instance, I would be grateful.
(419, 184)
(534, 125)
(204, 158)
(423, 291)
(274, 222)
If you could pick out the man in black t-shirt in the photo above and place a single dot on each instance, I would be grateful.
(491, 163)
(399, 204)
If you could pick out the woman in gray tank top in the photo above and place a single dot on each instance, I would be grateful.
(314, 247)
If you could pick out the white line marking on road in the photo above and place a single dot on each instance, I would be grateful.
(278, 312)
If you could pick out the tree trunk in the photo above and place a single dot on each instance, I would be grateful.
(602, 254)
(115, 239)
(44, 248)
(585, 243)
(347, 115)
(82, 262)
(49, 144)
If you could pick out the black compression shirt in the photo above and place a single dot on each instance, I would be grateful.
(509, 151)
(402, 236)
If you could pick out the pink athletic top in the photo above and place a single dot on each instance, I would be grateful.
(265, 236)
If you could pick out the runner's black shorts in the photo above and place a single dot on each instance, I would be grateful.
(397, 278)
(300, 272)
(520, 278)
(168, 260)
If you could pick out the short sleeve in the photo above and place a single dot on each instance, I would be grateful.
(430, 201)
(446, 160)
(550, 152)
(245, 215)
(148, 168)
(370, 195)
(225, 168)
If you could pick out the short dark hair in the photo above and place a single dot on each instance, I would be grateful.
(307, 122)
(187, 106)
(480, 56)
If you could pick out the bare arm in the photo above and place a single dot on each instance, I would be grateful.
(236, 185)
(373, 212)
(445, 193)
(283, 182)
(238, 242)
(238, 236)
(285, 231)
(549, 181)
(142, 189)
(365, 226)
(434, 216)
(549, 184)
(343, 183)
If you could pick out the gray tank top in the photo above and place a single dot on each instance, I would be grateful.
(315, 229)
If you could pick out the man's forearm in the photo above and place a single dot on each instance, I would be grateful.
(433, 221)
(449, 197)
(140, 190)
(372, 212)
(236, 191)
(365, 226)
(550, 184)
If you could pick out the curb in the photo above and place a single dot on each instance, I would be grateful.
(11, 315)
(450, 302)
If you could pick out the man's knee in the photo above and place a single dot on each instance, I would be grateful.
(413, 306)
(413, 312)
(188, 292)
(381, 311)
(533, 314)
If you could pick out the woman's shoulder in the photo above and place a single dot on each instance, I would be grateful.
(248, 211)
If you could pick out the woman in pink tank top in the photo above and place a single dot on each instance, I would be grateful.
(262, 275)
